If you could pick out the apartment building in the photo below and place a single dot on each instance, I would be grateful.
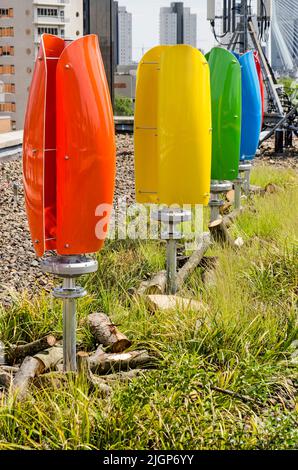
(21, 25)
(124, 36)
(177, 25)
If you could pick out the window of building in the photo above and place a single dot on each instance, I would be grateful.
(14, 125)
(7, 69)
(8, 107)
(47, 12)
(6, 32)
(9, 88)
(47, 30)
(6, 50)
(6, 12)
(62, 33)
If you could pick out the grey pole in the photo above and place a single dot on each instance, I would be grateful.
(171, 266)
(215, 207)
(245, 169)
(237, 189)
(171, 217)
(69, 328)
(69, 268)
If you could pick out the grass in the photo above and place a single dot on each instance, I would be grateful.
(246, 343)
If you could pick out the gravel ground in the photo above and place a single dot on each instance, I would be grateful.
(19, 267)
(18, 264)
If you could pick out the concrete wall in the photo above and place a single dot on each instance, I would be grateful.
(23, 59)
(5, 124)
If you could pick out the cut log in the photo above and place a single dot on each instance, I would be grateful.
(25, 375)
(93, 381)
(193, 261)
(224, 209)
(220, 233)
(5, 379)
(103, 363)
(272, 188)
(32, 367)
(257, 190)
(16, 353)
(230, 196)
(106, 333)
(54, 380)
(156, 285)
(50, 357)
(173, 302)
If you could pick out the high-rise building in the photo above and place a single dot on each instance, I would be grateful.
(284, 35)
(124, 36)
(101, 18)
(21, 25)
(177, 25)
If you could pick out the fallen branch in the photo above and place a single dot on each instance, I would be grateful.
(9, 369)
(244, 398)
(193, 261)
(101, 363)
(106, 333)
(34, 366)
(157, 285)
(16, 353)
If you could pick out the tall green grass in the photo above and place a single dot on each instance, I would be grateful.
(244, 342)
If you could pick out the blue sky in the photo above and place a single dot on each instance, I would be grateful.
(146, 23)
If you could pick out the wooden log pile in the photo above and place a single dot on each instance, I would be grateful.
(40, 363)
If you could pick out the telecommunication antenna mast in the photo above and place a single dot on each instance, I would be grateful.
(242, 30)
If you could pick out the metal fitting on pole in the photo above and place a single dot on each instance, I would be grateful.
(69, 268)
(245, 169)
(171, 217)
(215, 203)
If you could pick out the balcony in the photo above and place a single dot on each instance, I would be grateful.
(51, 3)
(51, 20)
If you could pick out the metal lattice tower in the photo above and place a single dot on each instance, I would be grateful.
(284, 37)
